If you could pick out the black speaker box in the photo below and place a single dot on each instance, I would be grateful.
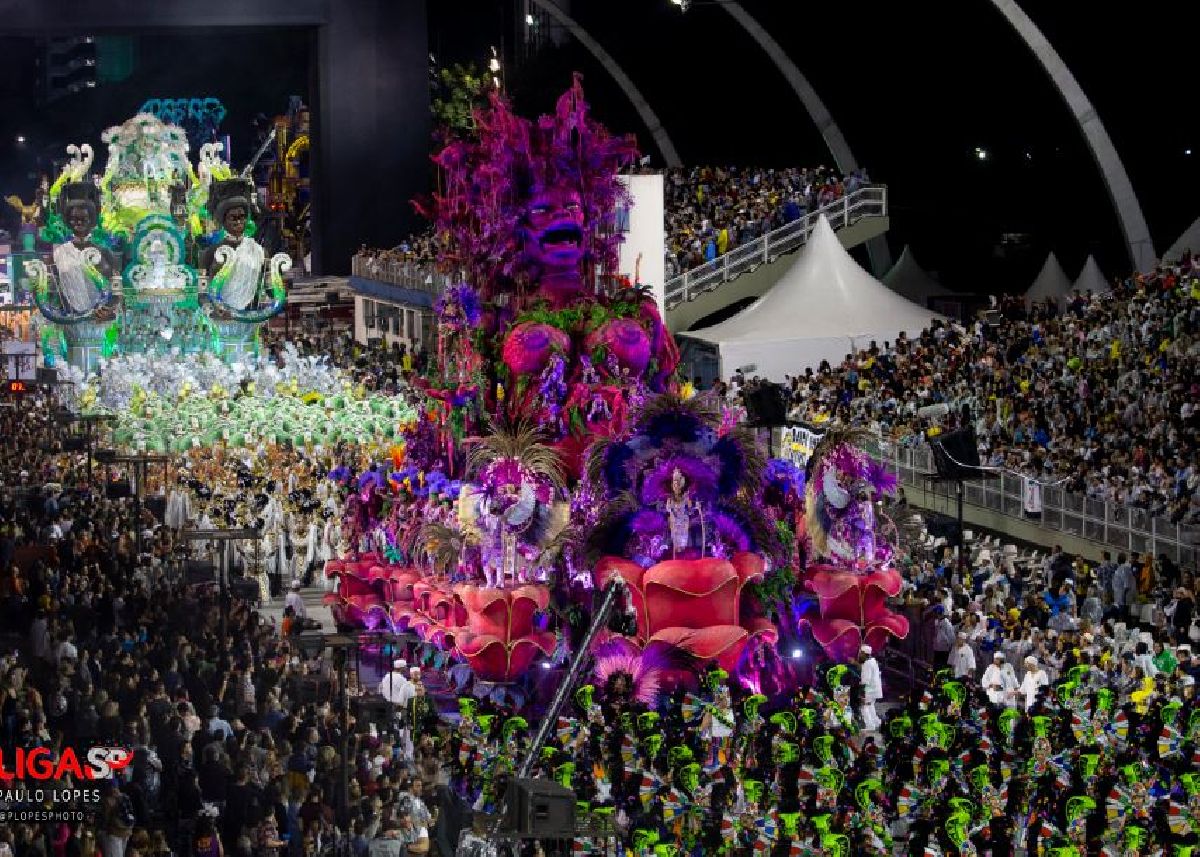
(955, 454)
(244, 589)
(156, 504)
(73, 444)
(766, 407)
(117, 490)
(539, 809)
(372, 708)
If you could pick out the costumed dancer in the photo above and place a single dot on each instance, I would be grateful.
(872, 688)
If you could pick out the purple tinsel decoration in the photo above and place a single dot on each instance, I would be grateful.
(458, 307)
(786, 476)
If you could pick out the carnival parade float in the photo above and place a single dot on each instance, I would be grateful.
(556, 451)
(153, 295)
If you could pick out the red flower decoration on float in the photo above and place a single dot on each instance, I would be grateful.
(694, 604)
(854, 610)
(499, 640)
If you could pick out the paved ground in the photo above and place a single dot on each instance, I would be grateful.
(313, 595)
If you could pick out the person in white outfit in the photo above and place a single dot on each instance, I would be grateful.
(296, 601)
(1035, 679)
(962, 658)
(872, 684)
(396, 687)
(998, 681)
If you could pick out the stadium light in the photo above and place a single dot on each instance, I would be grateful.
(20, 138)
(797, 654)
(529, 19)
(981, 153)
(1187, 151)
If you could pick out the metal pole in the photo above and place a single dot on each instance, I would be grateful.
(221, 559)
(962, 558)
(611, 592)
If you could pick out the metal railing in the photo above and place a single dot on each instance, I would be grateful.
(410, 275)
(1112, 526)
(869, 201)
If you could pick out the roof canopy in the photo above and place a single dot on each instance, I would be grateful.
(1189, 240)
(1051, 282)
(909, 280)
(822, 308)
(1092, 279)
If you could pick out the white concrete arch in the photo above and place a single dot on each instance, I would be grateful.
(1116, 180)
(649, 118)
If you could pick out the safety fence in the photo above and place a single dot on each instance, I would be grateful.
(410, 275)
(869, 201)
(1118, 527)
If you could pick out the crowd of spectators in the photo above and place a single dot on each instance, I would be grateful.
(1099, 395)
(712, 210)
(237, 732)
(416, 251)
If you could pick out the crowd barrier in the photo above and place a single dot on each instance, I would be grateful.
(1116, 527)
(869, 201)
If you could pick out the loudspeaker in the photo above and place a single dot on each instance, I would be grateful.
(372, 708)
(73, 444)
(156, 505)
(244, 589)
(539, 809)
(955, 455)
(117, 490)
(766, 407)
(46, 376)
(196, 572)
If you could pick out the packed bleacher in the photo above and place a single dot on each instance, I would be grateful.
(1098, 395)
(712, 210)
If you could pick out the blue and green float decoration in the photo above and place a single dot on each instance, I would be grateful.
(129, 272)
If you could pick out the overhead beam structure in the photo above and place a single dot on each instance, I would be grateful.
(649, 118)
(1116, 180)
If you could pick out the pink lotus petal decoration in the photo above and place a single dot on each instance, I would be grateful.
(853, 610)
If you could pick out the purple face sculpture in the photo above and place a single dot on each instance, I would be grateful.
(554, 228)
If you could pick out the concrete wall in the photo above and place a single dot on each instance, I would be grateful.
(1020, 529)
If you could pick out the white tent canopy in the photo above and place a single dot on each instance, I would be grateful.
(1189, 240)
(909, 280)
(823, 307)
(1051, 282)
(1092, 279)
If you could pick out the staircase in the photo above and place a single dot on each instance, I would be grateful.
(689, 297)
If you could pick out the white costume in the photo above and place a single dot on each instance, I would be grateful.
(962, 660)
(311, 540)
(872, 684)
(396, 687)
(999, 682)
(296, 601)
(179, 509)
(243, 267)
(1035, 679)
(77, 288)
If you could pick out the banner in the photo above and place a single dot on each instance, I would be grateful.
(798, 443)
(1031, 497)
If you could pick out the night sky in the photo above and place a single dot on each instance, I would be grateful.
(916, 87)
